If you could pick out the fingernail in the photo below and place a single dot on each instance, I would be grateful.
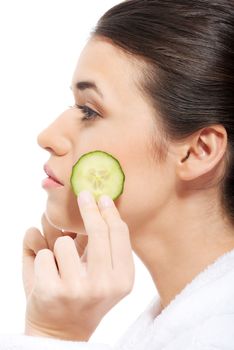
(105, 201)
(85, 197)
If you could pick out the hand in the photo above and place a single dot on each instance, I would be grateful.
(68, 294)
(34, 241)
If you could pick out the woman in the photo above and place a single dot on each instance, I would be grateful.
(163, 105)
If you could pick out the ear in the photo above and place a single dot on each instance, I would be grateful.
(201, 152)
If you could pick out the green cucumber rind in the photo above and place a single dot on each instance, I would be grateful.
(109, 155)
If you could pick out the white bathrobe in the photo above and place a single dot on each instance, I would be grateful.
(201, 317)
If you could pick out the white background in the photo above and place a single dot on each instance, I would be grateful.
(40, 42)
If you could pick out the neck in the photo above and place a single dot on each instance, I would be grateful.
(181, 242)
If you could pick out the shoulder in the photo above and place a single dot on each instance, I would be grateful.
(217, 331)
(214, 333)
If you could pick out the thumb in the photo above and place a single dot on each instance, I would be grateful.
(32, 243)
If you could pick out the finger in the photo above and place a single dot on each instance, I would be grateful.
(84, 255)
(121, 249)
(51, 233)
(68, 260)
(45, 269)
(98, 250)
(32, 243)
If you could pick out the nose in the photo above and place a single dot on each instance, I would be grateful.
(53, 140)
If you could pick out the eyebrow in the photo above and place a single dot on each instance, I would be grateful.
(83, 85)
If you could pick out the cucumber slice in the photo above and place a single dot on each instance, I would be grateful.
(98, 172)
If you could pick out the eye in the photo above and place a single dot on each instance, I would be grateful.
(89, 114)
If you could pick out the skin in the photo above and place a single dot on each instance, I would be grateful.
(176, 225)
(69, 293)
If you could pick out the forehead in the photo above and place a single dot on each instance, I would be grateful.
(108, 66)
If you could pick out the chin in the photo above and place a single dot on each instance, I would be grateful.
(65, 219)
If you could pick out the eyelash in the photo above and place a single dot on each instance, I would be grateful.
(86, 110)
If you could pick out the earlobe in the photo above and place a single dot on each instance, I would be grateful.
(201, 152)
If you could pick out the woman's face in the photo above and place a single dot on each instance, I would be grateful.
(125, 129)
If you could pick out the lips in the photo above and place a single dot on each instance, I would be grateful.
(50, 173)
